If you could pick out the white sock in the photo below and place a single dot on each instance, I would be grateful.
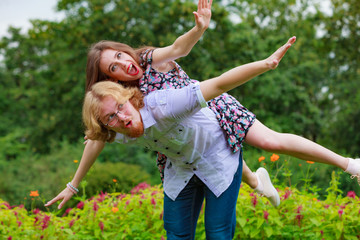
(352, 167)
(260, 186)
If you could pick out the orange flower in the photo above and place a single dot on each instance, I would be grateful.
(262, 158)
(34, 193)
(299, 164)
(76, 161)
(274, 157)
(114, 180)
(311, 162)
(114, 209)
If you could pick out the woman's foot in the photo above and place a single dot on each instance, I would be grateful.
(266, 188)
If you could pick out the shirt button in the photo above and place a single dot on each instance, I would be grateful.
(166, 148)
(194, 169)
(155, 140)
(178, 153)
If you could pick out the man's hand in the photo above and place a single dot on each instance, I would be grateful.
(65, 195)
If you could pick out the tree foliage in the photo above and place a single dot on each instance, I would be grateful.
(314, 92)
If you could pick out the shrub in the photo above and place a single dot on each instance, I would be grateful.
(139, 216)
(114, 177)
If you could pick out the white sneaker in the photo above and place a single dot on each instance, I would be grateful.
(354, 169)
(269, 190)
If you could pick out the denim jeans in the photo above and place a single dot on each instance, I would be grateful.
(181, 215)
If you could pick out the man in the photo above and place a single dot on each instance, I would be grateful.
(176, 123)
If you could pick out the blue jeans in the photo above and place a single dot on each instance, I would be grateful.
(181, 215)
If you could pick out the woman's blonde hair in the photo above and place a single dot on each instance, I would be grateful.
(95, 129)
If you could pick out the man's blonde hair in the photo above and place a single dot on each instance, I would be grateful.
(95, 129)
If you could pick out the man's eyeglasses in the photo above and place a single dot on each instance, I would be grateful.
(114, 118)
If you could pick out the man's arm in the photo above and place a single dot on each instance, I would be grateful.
(90, 154)
(237, 76)
(183, 44)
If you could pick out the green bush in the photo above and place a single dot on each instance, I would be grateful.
(114, 177)
(301, 215)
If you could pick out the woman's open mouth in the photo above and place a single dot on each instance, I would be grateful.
(132, 70)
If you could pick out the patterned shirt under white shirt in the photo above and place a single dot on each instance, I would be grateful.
(178, 124)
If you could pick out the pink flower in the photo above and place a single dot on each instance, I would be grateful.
(36, 211)
(254, 201)
(67, 212)
(95, 207)
(287, 194)
(266, 215)
(121, 196)
(19, 223)
(351, 194)
(36, 220)
(71, 223)
(153, 202)
(299, 216)
(139, 187)
(101, 225)
(45, 222)
(80, 205)
(340, 212)
(101, 197)
(9, 238)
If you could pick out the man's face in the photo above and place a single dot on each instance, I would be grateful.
(128, 118)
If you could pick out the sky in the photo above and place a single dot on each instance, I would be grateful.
(18, 13)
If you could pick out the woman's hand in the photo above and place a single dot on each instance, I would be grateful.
(65, 195)
(273, 61)
(203, 14)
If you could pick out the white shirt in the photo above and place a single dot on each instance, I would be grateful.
(178, 124)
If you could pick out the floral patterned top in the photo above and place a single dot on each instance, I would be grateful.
(233, 118)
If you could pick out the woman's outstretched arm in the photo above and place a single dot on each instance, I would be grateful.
(183, 44)
(237, 76)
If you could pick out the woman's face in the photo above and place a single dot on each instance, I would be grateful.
(119, 66)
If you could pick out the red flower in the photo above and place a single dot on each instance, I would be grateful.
(153, 202)
(254, 200)
(266, 215)
(71, 223)
(67, 212)
(45, 222)
(351, 194)
(287, 194)
(36, 211)
(95, 207)
(80, 205)
(340, 212)
(101, 225)
(140, 186)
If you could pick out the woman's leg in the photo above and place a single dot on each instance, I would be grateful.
(249, 177)
(263, 137)
(181, 215)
